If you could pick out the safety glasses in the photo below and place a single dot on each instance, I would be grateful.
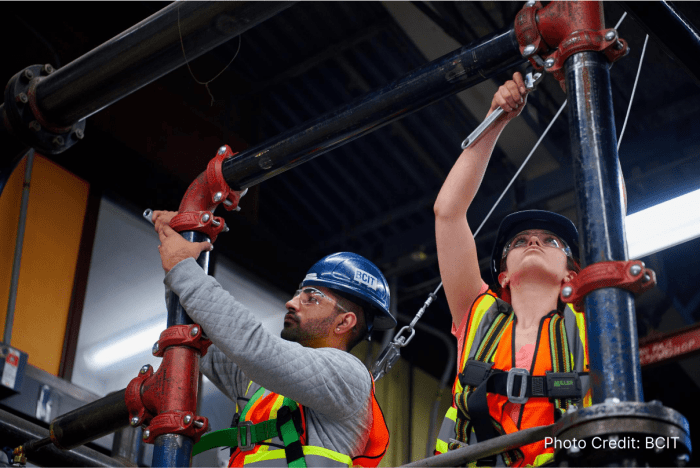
(313, 297)
(546, 238)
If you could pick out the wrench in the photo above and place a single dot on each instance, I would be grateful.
(531, 79)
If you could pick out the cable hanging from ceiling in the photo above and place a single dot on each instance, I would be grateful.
(187, 62)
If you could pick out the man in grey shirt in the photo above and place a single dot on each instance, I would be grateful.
(328, 391)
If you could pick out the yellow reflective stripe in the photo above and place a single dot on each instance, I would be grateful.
(452, 413)
(276, 406)
(327, 453)
(263, 454)
(581, 325)
(485, 302)
(266, 455)
(238, 410)
(441, 447)
(542, 459)
(447, 430)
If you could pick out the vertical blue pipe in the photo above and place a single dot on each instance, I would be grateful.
(173, 450)
(610, 316)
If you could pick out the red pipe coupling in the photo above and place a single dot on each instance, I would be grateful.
(630, 275)
(165, 402)
(550, 35)
(209, 189)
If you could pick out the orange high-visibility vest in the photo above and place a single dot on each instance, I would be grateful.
(537, 411)
(269, 453)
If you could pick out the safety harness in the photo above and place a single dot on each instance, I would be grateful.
(288, 426)
(562, 385)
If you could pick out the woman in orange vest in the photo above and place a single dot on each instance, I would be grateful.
(513, 337)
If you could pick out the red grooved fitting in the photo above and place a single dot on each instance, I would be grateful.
(173, 422)
(558, 20)
(562, 29)
(207, 191)
(526, 29)
(133, 398)
(164, 399)
(183, 335)
(174, 386)
(615, 274)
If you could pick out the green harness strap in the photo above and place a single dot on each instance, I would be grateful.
(283, 426)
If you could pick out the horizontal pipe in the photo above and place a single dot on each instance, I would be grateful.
(15, 431)
(144, 53)
(462, 456)
(450, 74)
(90, 422)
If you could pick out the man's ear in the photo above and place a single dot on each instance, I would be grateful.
(345, 322)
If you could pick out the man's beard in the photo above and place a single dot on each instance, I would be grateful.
(311, 330)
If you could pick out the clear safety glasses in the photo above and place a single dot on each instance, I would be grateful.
(546, 238)
(312, 297)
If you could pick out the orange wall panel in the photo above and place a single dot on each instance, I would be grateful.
(10, 202)
(56, 210)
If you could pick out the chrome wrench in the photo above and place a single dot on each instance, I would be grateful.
(532, 78)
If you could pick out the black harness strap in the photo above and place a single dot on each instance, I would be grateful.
(478, 378)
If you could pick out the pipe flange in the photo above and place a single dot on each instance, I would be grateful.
(622, 432)
(23, 119)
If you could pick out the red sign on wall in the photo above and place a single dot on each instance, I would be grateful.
(670, 346)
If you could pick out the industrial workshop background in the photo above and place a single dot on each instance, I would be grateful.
(87, 301)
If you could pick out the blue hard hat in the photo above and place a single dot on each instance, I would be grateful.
(357, 279)
(532, 219)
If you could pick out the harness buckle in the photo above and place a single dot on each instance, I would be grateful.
(521, 398)
(475, 372)
(250, 445)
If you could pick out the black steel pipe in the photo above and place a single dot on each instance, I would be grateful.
(144, 53)
(15, 431)
(451, 73)
(672, 31)
(463, 456)
(176, 313)
(90, 422)
(610, 320)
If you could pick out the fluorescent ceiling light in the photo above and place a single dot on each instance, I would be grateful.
(663, 226)
(125, 346)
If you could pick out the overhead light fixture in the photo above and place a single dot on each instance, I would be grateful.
(663, 226)
(125, 346)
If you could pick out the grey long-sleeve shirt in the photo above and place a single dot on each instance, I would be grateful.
(333, 385)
